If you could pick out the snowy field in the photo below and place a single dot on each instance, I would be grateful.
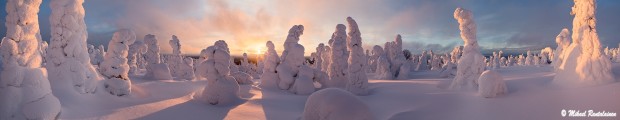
(530, 97)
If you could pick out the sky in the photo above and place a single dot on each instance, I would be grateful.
(246, 25)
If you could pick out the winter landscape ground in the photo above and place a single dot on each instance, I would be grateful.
(342, 78)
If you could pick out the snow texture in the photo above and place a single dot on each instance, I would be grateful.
(357, 79)
(25, 91)
(114, 67)
(155, 69)
(68, 58)
(583, 64)
(471, 64)
(337, 69)
(491, 84)
(221, 89)
(335, 104)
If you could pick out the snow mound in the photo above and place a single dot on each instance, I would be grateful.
(491, 84)
(335, 104)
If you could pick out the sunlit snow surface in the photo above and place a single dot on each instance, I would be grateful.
(530, 96)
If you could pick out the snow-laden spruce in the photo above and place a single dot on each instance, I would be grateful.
(175, 60)
(25, 91)
(221, 89)
(383, 65)
(491, 84)
(357, 79)
(154, 68)
(318, 60)
(68, 58)
(114, 67)
(423, 64)
(269, 78)
(563, 41)
(335, 104)
(337, 69)
(326, 57)
(471, 63)
(135, 52)
(584, 64)
(294, 75)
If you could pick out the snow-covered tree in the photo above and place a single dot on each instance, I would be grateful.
(338, 64)
(291, 61)
(318, 59)
(155, 69)
(187, 69)
(100, 53)
(326, 57)
(69, 61)
(114, 67)
(135, 51)
(471, 64)
(221, 89)
(491, 84)
(175, 61)
(584, 64)
(383, 65)
(25, 91)
(423, 64)
(529, 60)
(269, 78)
(335, 104)
(563, 41)
(357, 79)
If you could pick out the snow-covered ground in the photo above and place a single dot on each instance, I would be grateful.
(530, 96)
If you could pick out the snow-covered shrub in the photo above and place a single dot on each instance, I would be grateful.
(338, 67)
(357, 79)
(114, 67)
(471, 64)
(25, 91)
(335, 104)
(155, 69)
(491, 84)
(68, 58)
(221, 89)
(584, 64)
